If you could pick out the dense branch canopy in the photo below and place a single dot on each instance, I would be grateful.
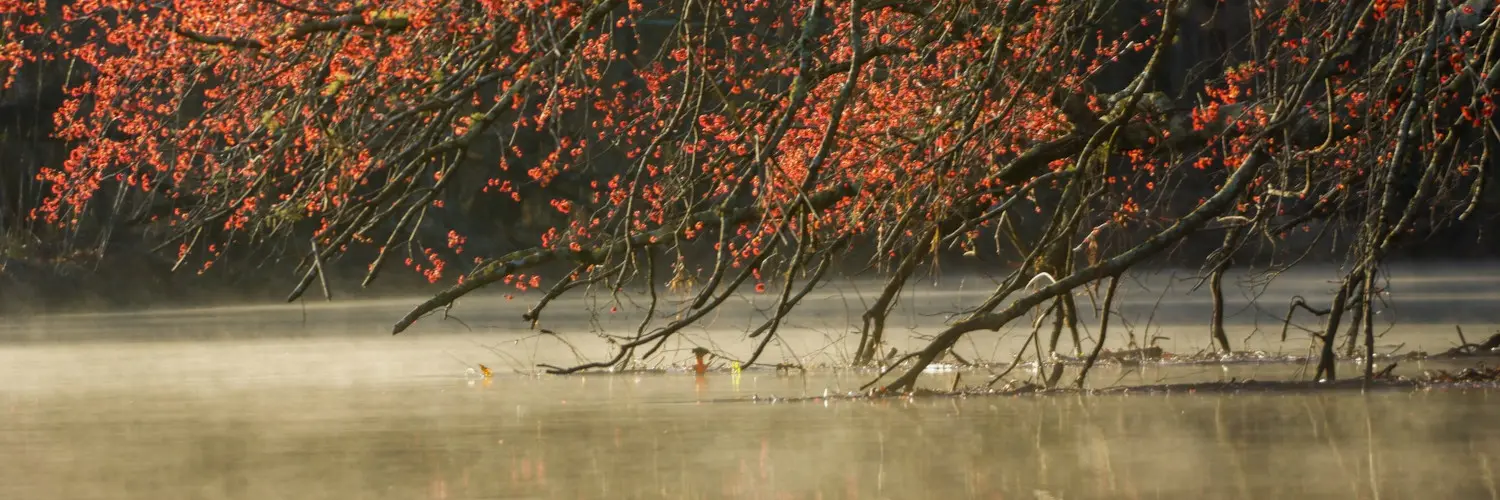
(750, 140)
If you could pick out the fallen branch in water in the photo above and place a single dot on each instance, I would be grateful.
(1467, 378)
(1464, 348)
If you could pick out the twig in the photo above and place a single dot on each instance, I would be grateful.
(1015, 361)
(1109, 298)
(1298, 301)
(889, 369)
(322, 276)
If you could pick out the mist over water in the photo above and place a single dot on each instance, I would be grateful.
(319, 400)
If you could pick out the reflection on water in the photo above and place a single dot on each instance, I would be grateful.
(651, 437)
(280, 402)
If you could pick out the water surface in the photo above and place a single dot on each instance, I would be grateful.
(285, 402)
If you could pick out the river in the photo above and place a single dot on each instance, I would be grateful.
(319, 401)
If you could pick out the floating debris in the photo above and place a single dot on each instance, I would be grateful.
(1489, 347)
(1466, 375)
(941, 368)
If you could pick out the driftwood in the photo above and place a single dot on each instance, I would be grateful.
(1435, 379)
(1486, 348)
(1466, 375)
(1152, 353)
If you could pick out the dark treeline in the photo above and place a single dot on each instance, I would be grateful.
(58, 266)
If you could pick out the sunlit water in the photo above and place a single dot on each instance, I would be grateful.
(278, 402)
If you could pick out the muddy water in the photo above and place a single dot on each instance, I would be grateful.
(315, 402)
(652, 437)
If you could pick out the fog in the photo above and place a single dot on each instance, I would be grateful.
(317, 399)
